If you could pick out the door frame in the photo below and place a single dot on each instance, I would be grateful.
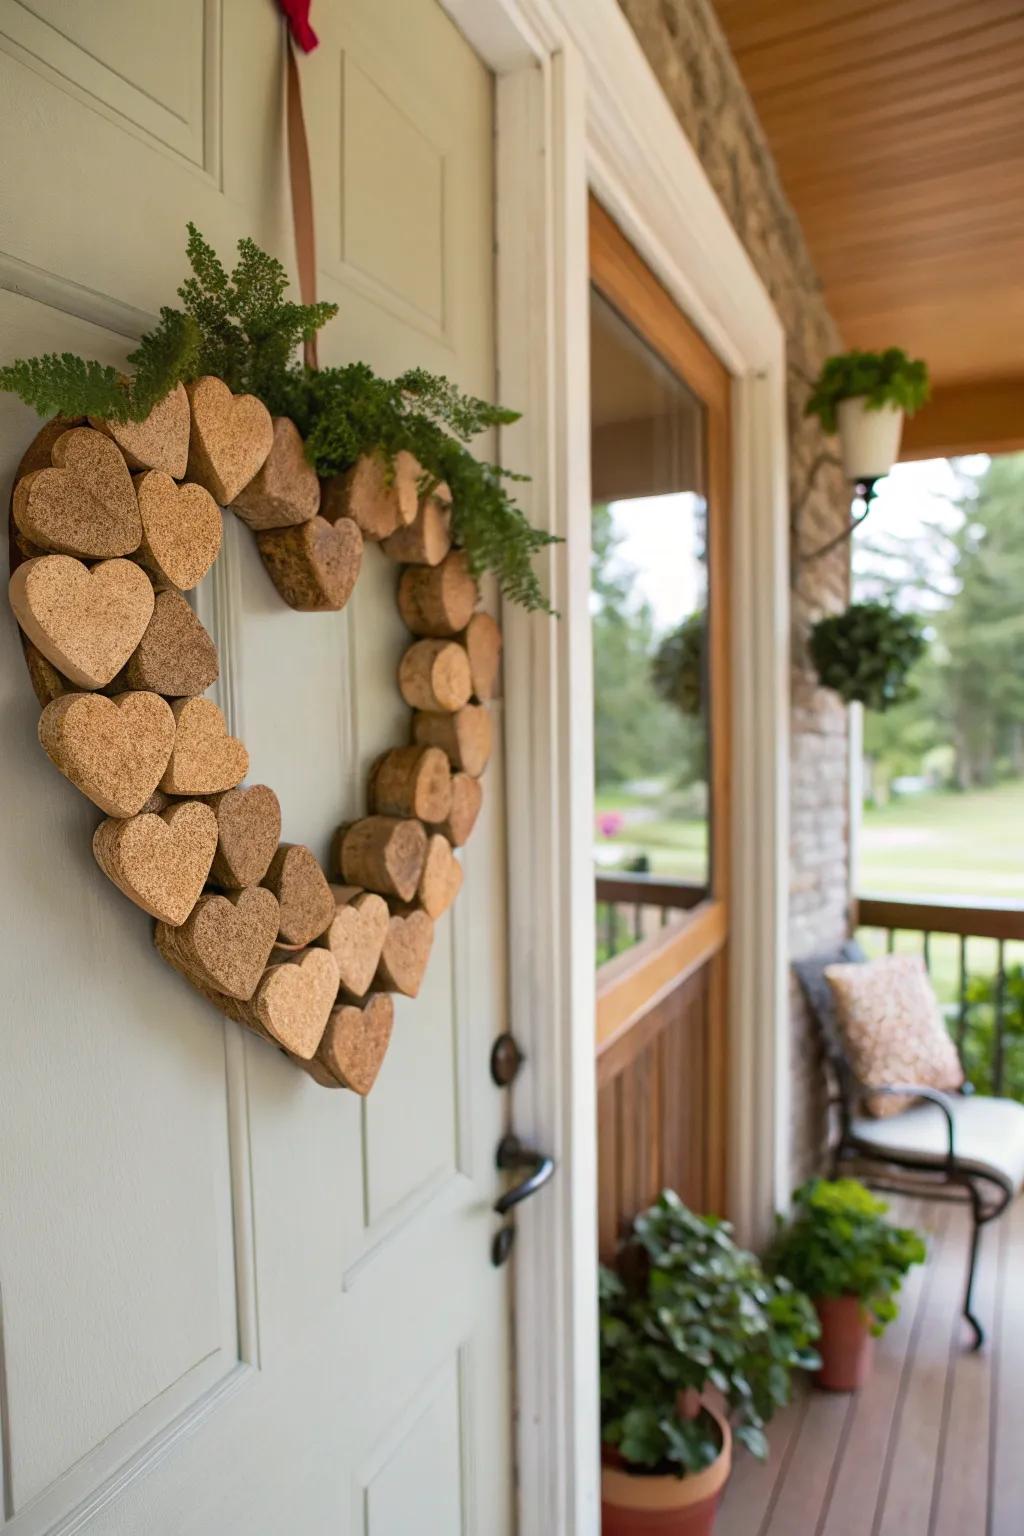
(629, 985)
(579, 109)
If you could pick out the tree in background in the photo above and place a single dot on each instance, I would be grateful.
(969, 586)
(980, 636)
(637, 735)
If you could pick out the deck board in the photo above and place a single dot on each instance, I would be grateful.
(934, 1445)
(859, 1476)
(1007, 1452)
(961, 1488)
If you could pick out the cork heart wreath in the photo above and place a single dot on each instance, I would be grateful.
(110, 524)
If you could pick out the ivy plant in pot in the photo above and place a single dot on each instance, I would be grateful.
(865, 396)
(697, 1345)
(866, 653)
(838, 1247)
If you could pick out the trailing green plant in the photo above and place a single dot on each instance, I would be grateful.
(883, 378)
(685, 1309)
(677, 667)
(837, 1242)
(241, 327)
(984, 999)
(866, 653)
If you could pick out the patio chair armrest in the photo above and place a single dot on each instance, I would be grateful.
(934, 1096)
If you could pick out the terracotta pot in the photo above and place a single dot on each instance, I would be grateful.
(634, 1505)
(846, 1346)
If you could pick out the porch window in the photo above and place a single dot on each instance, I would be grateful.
(649, 607)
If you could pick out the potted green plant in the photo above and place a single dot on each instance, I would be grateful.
(838, 1247)
(866, 653)
(865, 396)
(697, 1345)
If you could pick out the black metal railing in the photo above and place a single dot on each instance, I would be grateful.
(632, 906)
(983, 1000)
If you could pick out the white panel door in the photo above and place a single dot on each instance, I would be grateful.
(230, 1300)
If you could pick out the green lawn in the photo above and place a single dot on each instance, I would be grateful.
(946, 845)
(942, 847)
(936, 846)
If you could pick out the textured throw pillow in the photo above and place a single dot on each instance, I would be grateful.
(893, 1029)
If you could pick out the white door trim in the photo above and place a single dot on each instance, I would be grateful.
(578, 106)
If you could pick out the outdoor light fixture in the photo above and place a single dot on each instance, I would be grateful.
(863, 397)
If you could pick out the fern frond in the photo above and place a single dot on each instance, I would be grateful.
(62, 384)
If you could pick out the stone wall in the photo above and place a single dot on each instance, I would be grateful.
(688, 52)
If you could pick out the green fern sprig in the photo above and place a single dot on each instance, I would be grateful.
(65, 385)
(241, 327)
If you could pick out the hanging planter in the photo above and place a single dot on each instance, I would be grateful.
(677, 668)
(864, 396)
(866, 654)
(869, 438)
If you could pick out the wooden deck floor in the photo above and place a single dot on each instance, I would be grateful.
(934, 1445)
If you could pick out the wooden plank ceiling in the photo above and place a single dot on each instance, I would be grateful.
(898, 130)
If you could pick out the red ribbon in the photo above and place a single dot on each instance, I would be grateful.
(297, 13)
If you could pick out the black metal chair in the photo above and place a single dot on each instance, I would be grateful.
(947, 1146)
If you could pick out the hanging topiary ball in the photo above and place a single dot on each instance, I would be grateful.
(867, 652)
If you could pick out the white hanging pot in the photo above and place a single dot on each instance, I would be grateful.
(869, 441)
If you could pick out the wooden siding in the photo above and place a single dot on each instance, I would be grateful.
(653, 1106)
(898, 130)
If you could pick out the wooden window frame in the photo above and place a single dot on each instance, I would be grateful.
(630, 984)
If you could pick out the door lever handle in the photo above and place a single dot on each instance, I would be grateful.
(512, 1154)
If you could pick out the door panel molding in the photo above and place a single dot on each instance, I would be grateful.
(148, 1434)
(104, 85)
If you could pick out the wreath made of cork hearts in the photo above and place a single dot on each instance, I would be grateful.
(111, 522)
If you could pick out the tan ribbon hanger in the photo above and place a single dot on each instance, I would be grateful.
(301, 183)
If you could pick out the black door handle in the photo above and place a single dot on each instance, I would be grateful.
(513, 1154)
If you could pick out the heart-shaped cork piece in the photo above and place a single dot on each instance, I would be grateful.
(204, 759)
(482, 640)
(175, 656)
(248, 832)
(412, 781)
(406, 953)
(160, 861)
(286, 490)
(300, 885)
(181, 529)
(467, 798)
(441, 880)
(160, 441)
(383, 854)
(47, 683)
(39, 453)
(84, 504)
(438, 600)
(294, 1000)
(378, 495)
(230, 439)
(435, 675)
(314, 566)
(225, 941)
(356, 1040)
(355, 936)
(113, 750)
(85, 622)
(315, 1069)
(465, 736)
(428, 538)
